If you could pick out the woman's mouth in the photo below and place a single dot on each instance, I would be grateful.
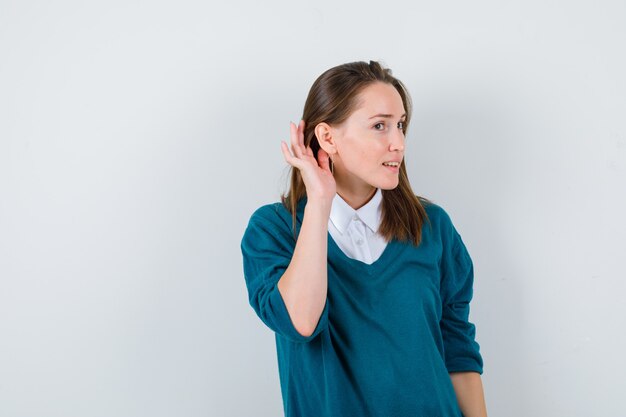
(392, 166)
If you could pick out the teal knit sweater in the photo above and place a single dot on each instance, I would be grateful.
(390, 332)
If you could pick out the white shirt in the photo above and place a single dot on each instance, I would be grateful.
(355, 231)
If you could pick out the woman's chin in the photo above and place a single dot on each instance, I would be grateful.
(388, 185)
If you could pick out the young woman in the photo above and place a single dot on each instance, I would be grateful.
(366, 285)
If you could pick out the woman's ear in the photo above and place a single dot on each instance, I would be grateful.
(324, 135)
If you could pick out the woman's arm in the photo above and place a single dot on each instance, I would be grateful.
(469, 393)
(304, 284)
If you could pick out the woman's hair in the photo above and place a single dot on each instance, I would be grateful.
(332, 99)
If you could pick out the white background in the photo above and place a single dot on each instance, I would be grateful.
(136, 139)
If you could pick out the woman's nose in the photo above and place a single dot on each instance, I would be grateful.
(397, 141)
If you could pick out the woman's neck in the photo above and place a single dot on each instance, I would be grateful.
(357, 198)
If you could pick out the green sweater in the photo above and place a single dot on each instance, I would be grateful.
(390, 332)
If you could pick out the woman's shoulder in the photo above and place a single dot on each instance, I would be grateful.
(268, 209)
(276, 214)
(269, 212)
(437, 214)
(434, 210)
(444, 224)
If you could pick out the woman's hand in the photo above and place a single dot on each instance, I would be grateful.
(317, 177)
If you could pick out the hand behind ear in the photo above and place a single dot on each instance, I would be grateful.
(316, 175)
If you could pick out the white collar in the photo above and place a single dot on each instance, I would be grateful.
(341, 213)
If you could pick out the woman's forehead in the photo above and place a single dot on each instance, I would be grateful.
(380, 100)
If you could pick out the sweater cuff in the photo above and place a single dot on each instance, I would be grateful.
(284, 324)
(465, 365)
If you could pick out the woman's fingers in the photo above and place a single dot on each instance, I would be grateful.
(297, 140)
(301, 154)
(295, 144)
(301, 134)
(291, 160)
(285, 148)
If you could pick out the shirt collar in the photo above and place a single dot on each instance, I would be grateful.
(341, 213)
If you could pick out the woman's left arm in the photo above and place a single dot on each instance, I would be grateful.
(469, 393)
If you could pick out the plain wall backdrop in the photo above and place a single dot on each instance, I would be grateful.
(137, 138)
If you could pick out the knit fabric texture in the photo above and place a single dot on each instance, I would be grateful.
(390, 331)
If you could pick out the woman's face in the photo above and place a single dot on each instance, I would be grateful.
(371, 137)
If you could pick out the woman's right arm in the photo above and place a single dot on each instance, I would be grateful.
(304, 284)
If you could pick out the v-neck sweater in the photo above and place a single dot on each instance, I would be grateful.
(390, 332)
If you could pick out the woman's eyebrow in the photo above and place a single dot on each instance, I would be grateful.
(386, 116)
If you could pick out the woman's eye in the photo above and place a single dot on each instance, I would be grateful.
(400, 125)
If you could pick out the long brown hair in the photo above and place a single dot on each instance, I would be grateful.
(332, 98)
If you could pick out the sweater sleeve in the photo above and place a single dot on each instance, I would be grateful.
(462, 352)
(267, 247)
